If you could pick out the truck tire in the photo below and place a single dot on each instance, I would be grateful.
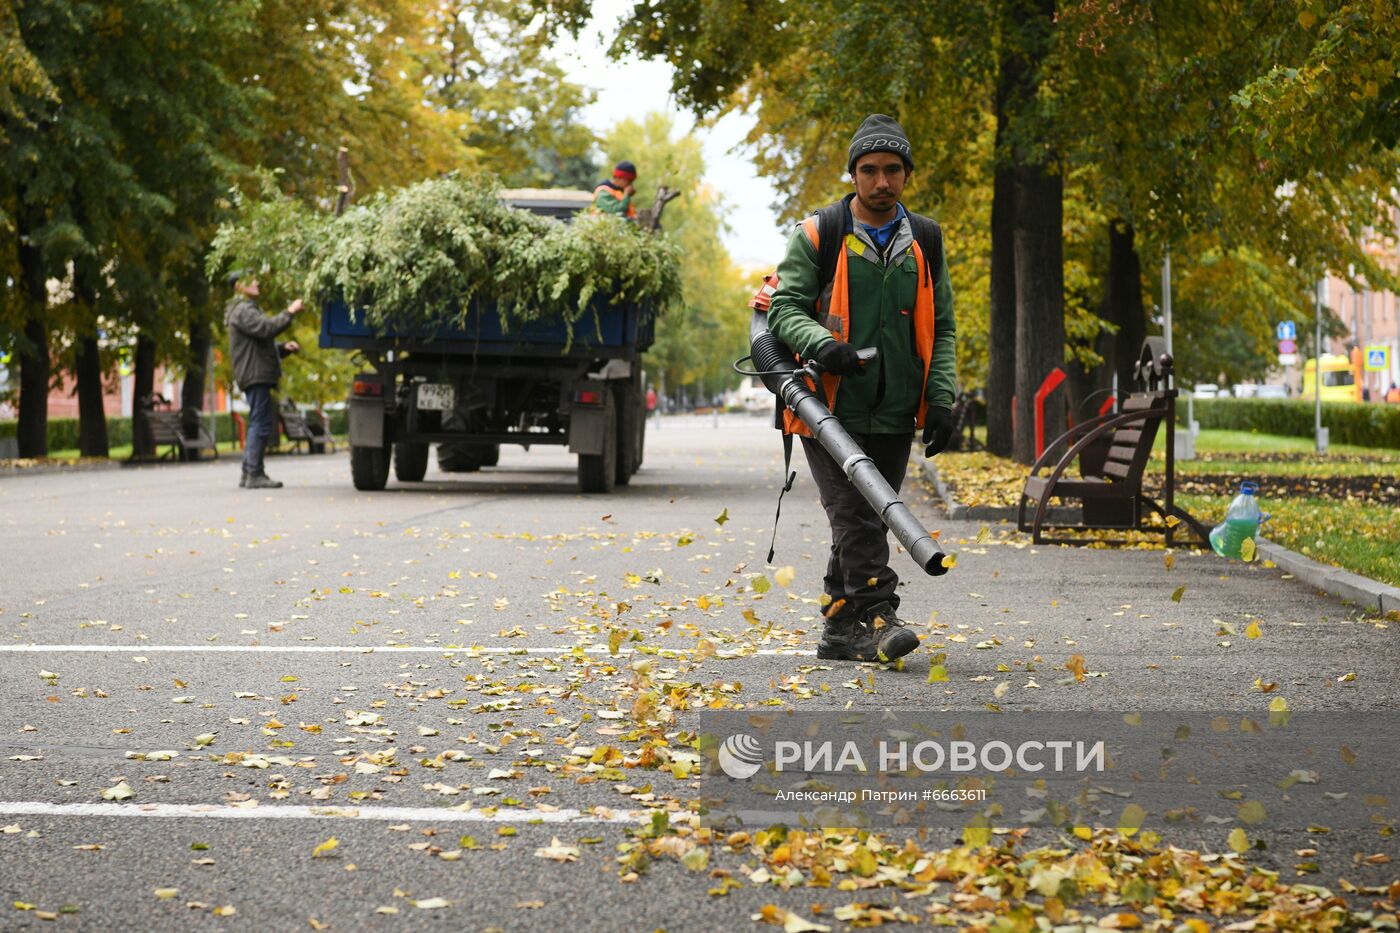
(410, 461)
(626, 401)
(457, 457)
(598, 472)
(369, 467)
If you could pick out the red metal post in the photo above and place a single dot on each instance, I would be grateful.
(1052, 381)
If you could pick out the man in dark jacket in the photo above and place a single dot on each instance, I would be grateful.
(257, 366)
(889, 289)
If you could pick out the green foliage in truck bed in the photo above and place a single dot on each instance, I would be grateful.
(425, 253)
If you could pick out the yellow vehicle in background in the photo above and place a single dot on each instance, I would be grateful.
(1341, 380)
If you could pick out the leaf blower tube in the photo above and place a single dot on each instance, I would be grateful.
(774, 364)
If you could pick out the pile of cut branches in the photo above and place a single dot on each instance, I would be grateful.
(429, 253)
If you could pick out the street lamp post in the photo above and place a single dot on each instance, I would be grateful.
(1185, 440)
(1319, 432)
(1167, 298)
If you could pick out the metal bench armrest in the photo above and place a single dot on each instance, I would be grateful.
(1048, 454)
(1113, 423)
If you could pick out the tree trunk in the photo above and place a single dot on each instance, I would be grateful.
(1125, 301)
(1038, 227)
(1001, 324)
(1040, 303)
(143, 384)
(32, 432)
(192, 389)
(92, 414)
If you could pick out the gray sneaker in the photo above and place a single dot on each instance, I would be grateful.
(243, 480)
(845, 637)
(261, 481)
(893, 638)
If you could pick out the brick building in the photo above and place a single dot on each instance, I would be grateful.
(1372, 317)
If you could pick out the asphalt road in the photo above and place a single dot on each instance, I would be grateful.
(265, 671)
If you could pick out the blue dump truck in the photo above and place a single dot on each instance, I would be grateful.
(472, 385)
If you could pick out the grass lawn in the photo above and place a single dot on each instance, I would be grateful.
(1340, 508)
(1268, 453)
(1360, 537)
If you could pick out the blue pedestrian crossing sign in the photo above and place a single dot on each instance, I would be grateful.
(1286, 330)
(1377, 358)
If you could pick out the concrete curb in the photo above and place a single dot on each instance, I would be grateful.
(1371, 595)
(7, 470)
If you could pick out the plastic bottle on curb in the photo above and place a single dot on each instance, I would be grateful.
(1242, 520)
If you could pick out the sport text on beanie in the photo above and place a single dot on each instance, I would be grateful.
(879, 133)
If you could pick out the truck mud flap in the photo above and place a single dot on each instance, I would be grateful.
(366, 422)
(587, 430)
(588, 417)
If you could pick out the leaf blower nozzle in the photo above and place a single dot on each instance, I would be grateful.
(775, 365)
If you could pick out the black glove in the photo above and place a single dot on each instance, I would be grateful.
(839, 358)
(938, 429)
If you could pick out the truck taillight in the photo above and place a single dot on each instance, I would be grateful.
(588, 397)
(365, 387)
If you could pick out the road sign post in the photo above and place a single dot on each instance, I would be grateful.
(1377, 358)
(1319, 433)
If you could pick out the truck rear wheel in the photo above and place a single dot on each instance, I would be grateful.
(410, 461)
(369, 467)
(598, 472)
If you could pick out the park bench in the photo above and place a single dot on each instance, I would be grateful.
(1112, 452)
(303, 429)
(322, 441)
(965, 424)
(181, 433)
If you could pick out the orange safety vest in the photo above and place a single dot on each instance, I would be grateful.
(617, 193)
(837, 319)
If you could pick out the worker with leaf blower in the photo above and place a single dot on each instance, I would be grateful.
(865, 272)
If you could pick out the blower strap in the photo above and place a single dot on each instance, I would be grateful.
(787, 485)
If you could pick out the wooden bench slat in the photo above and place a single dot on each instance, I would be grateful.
(1120, 470)
(1120, 453)
(1126, 436)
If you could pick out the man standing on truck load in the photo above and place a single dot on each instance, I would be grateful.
(865, 272)
(614, 196)
(257, 366)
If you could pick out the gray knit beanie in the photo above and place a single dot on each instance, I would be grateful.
(879, 133)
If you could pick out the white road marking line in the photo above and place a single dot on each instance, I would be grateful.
(358, 649)
(291, 812)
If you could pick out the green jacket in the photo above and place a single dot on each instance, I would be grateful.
(609, 199)
(882, 295)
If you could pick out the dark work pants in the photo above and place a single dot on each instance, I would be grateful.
(860, 548)
(262, 421)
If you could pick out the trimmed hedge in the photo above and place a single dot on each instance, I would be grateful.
(1371, 424)
(63, 432)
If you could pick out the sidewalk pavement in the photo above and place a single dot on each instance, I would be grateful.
(1367, 594)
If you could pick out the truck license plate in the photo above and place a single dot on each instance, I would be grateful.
(435, 397)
